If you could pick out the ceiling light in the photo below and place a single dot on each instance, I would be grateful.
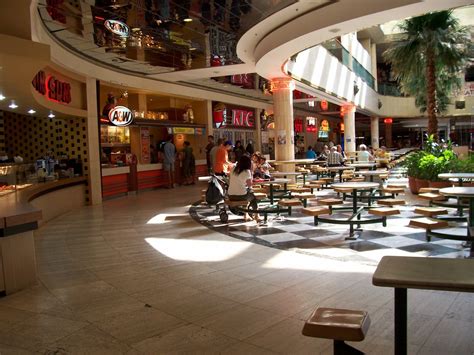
(192, 49)
(31, 111)
(187, 19)
(2, 97)
(13, 105)
(51, 115)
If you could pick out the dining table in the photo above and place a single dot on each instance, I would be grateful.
(340, 169)
(271, 184)
(403, 273)
(286, 174)
(460, 177)
(355, 218)
(372, 173)
(363, 165)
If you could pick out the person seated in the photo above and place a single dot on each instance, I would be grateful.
(335, 158)
(340, 151)
(263, 169)
(363, 155)
(240, 185)
(310, 154)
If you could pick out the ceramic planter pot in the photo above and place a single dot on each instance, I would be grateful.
(421, 183)
(412, 185)
(440, 184)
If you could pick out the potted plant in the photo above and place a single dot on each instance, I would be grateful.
(413, 170)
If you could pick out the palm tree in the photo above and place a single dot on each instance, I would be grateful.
(428, 60)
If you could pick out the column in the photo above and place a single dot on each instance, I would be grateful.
(210, 120)
(349, 129)
(93, 155)
(282, 89)
(258, 130)
(388, 132)
(374, 132)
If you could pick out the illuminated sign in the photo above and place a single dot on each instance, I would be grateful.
(298, 125)
(324, 105)
(54, 89)
(117, 27)
(183, 130)
(120, 116)
(236, 117)
(324, 129)
(388, 121)
(311, 125)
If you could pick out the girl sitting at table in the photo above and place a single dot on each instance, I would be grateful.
(240, 185)
(262, 170)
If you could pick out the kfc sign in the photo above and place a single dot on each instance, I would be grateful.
(54, 89)
(120, 116)
(242, 118)
(224, 117)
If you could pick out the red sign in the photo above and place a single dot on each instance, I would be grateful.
(324, 105)
(234, 118)
(388, 121)
(54, 89)
(298, 125)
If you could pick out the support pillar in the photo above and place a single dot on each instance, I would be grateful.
(349, 129)
(258, 129)
(282, 89)
(388, 134)
(93, 152)
(374, 132)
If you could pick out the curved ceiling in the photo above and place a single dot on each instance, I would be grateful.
(269, 44)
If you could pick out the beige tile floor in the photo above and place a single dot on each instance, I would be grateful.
(138, 275)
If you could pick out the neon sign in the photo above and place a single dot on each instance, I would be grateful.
(117, 27)
(120, 116)
(54, 89)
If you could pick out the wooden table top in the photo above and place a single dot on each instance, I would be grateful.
(356, 185)
(357, 165)
(456, 176)
(458, 191)
(425, 273)
(295, 161)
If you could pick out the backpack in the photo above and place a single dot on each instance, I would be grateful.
(215, 192)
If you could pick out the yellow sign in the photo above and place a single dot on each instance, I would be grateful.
(183, 130)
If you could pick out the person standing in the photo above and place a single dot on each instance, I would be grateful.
(189, 164)
(249, 149)
(222, 165)
(169, 152)
(238, 150)
(209, 146)
(213, 152)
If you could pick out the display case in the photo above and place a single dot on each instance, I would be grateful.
(15, 177)
(112, 136)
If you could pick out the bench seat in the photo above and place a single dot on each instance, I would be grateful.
(428, 223)
(384, 211)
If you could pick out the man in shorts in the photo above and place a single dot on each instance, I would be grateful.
(169, 159)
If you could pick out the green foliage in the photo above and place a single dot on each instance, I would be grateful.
(434, 159)
(436, 35)
(462, 165)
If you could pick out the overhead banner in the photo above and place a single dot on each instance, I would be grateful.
(183, 130)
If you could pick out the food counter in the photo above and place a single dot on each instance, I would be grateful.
(20, 214)
(118, 180)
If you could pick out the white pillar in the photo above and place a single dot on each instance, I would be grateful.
(94, 178)
(258, 129)
(349, 129)
(282, 89)
(374, 132)
(210, 120)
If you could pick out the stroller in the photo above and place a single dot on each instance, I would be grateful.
(215, 195)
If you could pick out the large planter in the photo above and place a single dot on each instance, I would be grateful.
(440, 184)
(412, 184)
(420, 183)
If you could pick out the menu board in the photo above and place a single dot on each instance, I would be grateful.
(145, 145)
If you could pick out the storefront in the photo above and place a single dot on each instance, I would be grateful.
(234, 123)
(134, 127)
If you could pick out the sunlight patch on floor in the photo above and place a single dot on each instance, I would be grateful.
(198, 250)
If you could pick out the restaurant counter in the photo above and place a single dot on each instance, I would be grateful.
(20, 214)
(121, 180)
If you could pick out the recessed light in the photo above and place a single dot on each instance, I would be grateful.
(13, 105)
(51, 115)
(2, 97)
(31, 111)
(187, 19)
(192, 49)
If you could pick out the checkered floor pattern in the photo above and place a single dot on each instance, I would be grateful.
(298, 232)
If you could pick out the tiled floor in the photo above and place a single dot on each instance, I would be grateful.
(298, 232)
(139, 275)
